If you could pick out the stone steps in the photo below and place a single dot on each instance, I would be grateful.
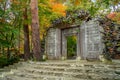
(56, 77)
(63, 64)
(61, 70)
(42, 77)
(79, 75)
(83, 68)
(70, 69)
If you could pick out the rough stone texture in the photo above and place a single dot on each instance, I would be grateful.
(69, 32)
(89, 44)
(53, 44)
(91, 39)
(62, 70)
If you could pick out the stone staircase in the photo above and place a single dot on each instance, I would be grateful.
(61, 70)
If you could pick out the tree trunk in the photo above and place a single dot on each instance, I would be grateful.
(8, 53)
(35, 31)
(26, 37)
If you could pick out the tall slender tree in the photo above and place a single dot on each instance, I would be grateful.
(26, 36)
(35, 30)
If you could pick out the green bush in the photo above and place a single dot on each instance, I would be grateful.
(13, 60)
(71, 46)
(5, 62)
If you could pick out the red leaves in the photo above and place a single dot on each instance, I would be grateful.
(115, 16)
(111, 15)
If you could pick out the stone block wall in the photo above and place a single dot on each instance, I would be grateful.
(53, 43)
(89, 41)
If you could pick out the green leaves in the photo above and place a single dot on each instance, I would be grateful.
(71, 46)
(10, 19)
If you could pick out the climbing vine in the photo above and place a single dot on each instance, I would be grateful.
(72, 17)
(111, 37)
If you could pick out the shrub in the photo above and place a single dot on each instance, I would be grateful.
(4, 61)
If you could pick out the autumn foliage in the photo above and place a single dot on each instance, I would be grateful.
(115, 16)
(58, 7)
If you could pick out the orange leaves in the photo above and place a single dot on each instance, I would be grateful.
(115, 16)
(1, 0)
(15, 1)
(77, 2)
(111, 15)
(57, 7)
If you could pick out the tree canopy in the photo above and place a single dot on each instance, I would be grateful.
(12, 17)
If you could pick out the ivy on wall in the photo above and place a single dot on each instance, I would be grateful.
(72, 17)
(111, 37)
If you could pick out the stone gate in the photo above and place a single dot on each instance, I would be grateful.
(89, 44)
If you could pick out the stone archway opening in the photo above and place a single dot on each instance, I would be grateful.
(71, 47)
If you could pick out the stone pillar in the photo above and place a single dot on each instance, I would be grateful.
(64, 46)
(51, 44)
(82, 41)
(91, 40)
(79, 56)
(58, 44)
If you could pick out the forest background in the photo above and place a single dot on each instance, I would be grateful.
(16, 21)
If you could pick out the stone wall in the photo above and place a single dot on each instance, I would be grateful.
(53, 43)
(89, 41)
